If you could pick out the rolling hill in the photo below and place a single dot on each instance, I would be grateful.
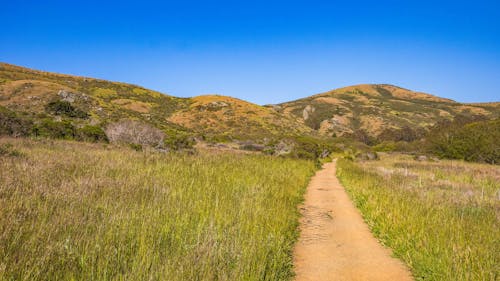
(28, 92)
(375, 108)
(81, 101)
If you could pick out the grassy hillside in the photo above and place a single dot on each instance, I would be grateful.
(59, 105)
(378, 109)
(227, 116)
(28, 92)
(441, 218)
(116, 214)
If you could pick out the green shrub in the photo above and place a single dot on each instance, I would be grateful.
(54, 129)
(312, 148)
(65, 108)
(476, 142)
(91, 134)
(13, 125)
(179, 141)
(385, 146)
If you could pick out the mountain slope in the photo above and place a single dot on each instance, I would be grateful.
(375, 108)
(221, 115)
(372, 109)
(30, 91)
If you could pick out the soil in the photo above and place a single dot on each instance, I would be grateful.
(335, 243)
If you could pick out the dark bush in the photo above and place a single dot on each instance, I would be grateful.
(65, 108)
(362, 136)
(311, 148)
(406, 134)
(478, 142)
(179, 141)
(91, 134)
(13, 125)
(54, 129)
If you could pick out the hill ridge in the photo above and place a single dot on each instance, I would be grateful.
(373, 109)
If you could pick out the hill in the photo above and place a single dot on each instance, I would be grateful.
(66, 103)
(378, 110)
(227, 116)
(30, 92)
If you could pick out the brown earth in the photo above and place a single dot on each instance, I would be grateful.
(335, 243)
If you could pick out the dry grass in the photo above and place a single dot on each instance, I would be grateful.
(442, 218)
(75, 211)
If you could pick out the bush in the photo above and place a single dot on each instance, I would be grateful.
(65, 108)
(405, 134)
(91, 134)
(362, 136)
(179, 141)
(312, 148)
(54, 129)
(135, 132)
(476, 142)
(13, 125)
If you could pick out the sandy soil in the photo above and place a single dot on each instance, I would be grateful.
(335, 243)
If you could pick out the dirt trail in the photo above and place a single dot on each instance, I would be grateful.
(335, 243)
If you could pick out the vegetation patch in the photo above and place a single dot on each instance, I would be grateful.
(477, 141)
(117, 214)
(65, 108)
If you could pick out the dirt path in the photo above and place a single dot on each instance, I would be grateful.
(335, 243)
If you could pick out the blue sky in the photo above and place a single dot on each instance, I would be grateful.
(262, 51)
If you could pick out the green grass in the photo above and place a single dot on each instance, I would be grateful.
(441, 218)
(77, 211)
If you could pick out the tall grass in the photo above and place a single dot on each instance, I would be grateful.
(441, 218)
(76, 211)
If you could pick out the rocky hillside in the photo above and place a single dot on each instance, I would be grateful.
(377, 110)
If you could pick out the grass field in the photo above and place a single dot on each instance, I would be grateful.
(79, 211)
(442, 218)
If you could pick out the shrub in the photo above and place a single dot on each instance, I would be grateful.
(476, 142)
(91, 134)
(178, 141)
(13, 125)
(406, 134)
(311, 148)
(362, 136)
(65, 108)
(135, 132)
(54, 129)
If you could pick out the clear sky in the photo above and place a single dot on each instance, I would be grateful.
(262, 51)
